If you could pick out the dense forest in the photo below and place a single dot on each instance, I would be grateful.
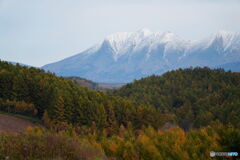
(196, 96)
(183, 114)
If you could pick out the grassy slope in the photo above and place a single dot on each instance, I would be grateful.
(15, 123)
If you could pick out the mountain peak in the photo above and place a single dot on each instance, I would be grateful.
(121, 42)
(224, 39)
(224, 34)
(118, 37)
(169, 36)
(126, 42)
(122, 36)
(144, 32)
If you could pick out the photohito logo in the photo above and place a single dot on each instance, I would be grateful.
(225, 154)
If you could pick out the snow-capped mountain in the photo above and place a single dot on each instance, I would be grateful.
(123, 57)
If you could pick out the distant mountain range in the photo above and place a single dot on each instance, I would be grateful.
(123, 57)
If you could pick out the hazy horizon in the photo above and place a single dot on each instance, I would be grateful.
(41, 32)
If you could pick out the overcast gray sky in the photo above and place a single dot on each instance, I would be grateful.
(38, 32)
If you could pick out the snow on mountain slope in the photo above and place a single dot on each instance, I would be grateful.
(123, 57)
(220, 48)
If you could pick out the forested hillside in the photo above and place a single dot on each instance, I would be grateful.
(196, 96)
(33, 92)
(182, 115)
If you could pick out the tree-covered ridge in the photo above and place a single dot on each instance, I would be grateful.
(196, 96)
(84, 82)
(31, 91)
